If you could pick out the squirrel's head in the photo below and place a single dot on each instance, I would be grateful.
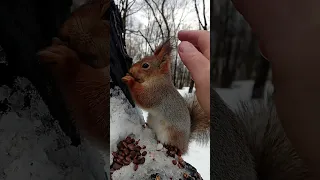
(87, 31)
(154, 66)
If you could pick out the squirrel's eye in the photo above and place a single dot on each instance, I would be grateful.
(145, 65)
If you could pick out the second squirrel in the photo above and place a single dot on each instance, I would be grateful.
(152, 89)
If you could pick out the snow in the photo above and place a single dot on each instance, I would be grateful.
(198, 154)
(199, 157)
(127, 121)
(241, 91)
(32, 145)
(130, 122)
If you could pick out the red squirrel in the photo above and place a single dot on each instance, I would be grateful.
(173, 119)
(78, 60)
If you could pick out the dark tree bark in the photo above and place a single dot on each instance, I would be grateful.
(120, 62)
(237, 58)
(191, 86)
(261, 78)
(27, 27)
(227, 73)
(222, 45)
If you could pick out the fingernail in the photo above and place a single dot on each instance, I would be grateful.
(185, 46)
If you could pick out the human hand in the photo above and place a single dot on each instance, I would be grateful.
(279, 24)
(194, 51)
(288, 32)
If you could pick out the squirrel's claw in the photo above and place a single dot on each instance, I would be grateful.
(47, 57)
(128, 79)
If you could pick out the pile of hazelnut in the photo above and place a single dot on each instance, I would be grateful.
(172, 152)
(128, 151)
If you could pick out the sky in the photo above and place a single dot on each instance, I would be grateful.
(138, 21)
(189, 14)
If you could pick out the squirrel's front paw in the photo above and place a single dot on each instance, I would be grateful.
(57, 54)
(129, 80)
(173, 137)
(61, 60)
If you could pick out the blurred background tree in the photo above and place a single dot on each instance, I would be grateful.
(235, 53)
(150, 22)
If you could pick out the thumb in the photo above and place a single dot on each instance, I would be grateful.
(195, 61)
(199, 67)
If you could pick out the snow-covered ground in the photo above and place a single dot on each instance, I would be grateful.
(198, 155)
(128, 121)
(32, 145)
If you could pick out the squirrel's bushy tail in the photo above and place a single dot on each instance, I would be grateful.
(272, 151)
(200, 122)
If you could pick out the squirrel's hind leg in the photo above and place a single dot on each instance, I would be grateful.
(167, 134)
(178, 138)
(159, 127)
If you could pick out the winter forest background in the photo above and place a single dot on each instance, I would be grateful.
(235, 53)
(32, 143)
(150, 22)
(238, 71)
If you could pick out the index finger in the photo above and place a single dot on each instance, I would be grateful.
(199, 38)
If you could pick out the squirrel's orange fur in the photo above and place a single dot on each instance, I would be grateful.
(78, 60)
(152, 89)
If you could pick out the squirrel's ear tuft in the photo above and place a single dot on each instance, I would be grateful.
(163, 52)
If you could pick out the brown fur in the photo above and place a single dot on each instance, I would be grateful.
(200, 123)
(251, 144)
(174, 139)
(272, 151)
(87, 32)
(153, 90)
(79, 63)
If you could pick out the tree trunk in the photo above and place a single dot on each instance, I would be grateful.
(27, 27)
(22, 42)
(261, 78)
(191, 86)
(227, 73)
(119, 59)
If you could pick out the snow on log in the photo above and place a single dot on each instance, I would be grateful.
(32, 144)
(135, 153)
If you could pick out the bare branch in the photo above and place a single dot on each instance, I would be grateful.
(141, 34)
(155, 16)
(162, 13)
(197, 11)
(133, 12)
(204, 15)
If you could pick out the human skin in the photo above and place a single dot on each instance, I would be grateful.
(194, 51)
(289, 35)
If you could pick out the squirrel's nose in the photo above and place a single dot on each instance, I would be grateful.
(133, 69)
(131, 72)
